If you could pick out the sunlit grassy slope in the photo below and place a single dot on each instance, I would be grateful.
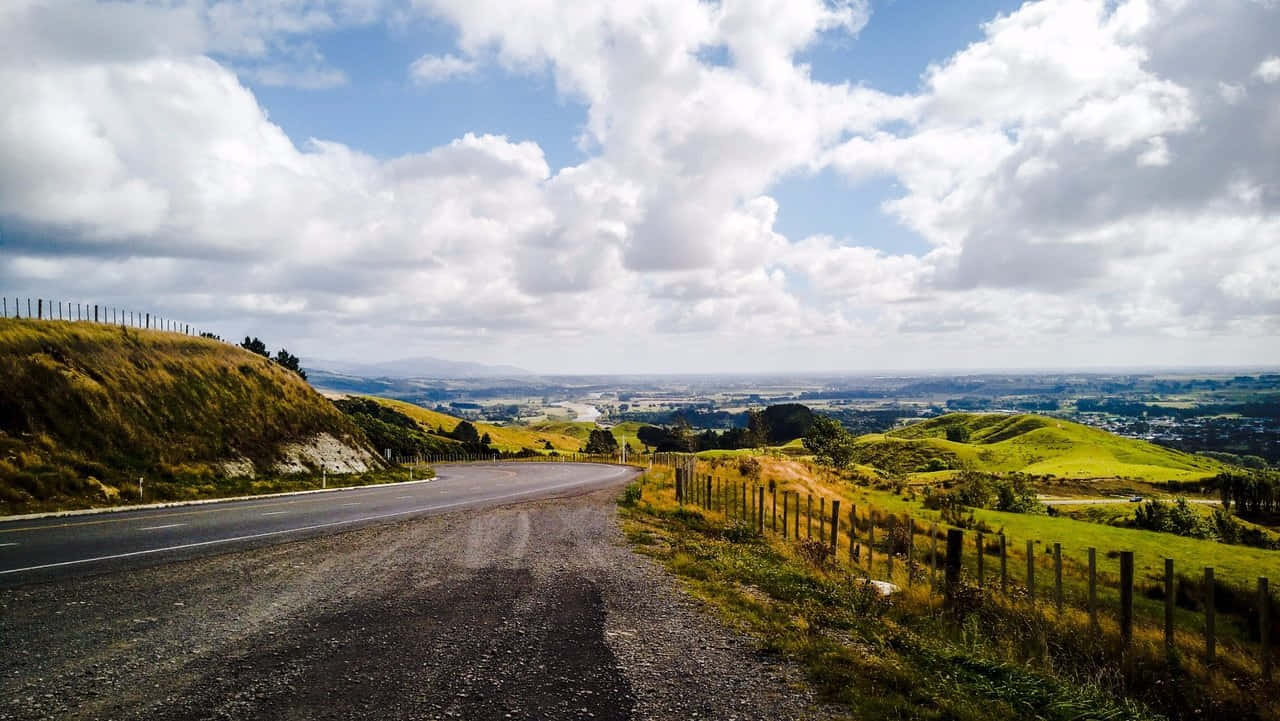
(505, 438)
(564, 436)
(1029, 444)
(81, 401)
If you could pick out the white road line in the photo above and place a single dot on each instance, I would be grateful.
(167, 525)
(274, 513)
(268, 534)
(2, 545)
(399, 497)
(354, 503)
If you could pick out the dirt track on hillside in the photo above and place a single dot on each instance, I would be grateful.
(533, 611)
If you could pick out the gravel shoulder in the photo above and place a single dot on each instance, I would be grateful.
(528, 611)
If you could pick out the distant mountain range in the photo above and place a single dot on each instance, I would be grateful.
(424, 367)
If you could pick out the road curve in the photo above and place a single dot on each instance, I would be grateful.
(40, 550)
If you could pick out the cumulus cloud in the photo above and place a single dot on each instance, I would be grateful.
(430, 69)
(1268, 71)
(1086, 173)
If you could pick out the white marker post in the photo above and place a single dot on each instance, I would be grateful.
(324, 476)
(139, 488)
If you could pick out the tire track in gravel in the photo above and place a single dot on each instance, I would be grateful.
(530, 611)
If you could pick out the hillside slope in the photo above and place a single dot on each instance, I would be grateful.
(84, 406)
(1028, 444)
(504, 438)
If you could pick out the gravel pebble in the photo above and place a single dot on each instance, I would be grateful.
(529, 611)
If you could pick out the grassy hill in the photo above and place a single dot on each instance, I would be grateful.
(505, 438)
(86, 409)
(564, 436)
(1028, 444)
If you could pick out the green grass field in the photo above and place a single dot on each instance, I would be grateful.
(987, 656)
(1028, 444)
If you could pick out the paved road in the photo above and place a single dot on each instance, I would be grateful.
(58, 547)
(529, 611)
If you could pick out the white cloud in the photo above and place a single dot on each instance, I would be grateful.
(1088, 174)
(440, 68)
(1268, 71)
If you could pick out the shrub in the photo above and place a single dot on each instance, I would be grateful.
(814, 552)
(738, 532)
(631, 494)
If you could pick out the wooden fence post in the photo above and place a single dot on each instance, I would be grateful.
(785, 495)
(1168, 608)
(1031, 571)
(1126, 597)
(796, 535)
(822, 519)
(835, 526)
(710, 499)
(1057, 576)
(933, 554)
(1264, 626)
(760, 511)
(808, 518)
(1004, 564)
(39, 309)
(981, 555)
(1210, 632)
(743, 487)
(871, 540)
(853, 531)
(1093, 587)
(888, 547)
(911, 547)
(775, 508)
(955, 547)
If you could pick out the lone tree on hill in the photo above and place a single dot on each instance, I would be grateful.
(256, 346)
(601, 441)
(466, 433)
(829, 442)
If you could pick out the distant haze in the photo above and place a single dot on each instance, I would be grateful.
(418, 368)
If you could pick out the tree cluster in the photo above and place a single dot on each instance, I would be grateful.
(974, 489)
(283, 357)
(470, 438)
(601, 441)
(1252, 493)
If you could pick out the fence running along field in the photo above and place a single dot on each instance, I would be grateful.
(1102, 597)
(43, 309)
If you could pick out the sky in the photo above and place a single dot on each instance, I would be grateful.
(596, 186)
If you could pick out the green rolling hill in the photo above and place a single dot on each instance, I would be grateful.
(1028, 444)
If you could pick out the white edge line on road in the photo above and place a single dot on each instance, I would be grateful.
(267, 534)
(274, 513)
(167, 525)
(2, 545)
(202, 501)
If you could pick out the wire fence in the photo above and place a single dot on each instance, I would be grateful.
(78, 312)
(1185, 616)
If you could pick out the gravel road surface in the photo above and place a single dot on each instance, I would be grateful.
(529, 611)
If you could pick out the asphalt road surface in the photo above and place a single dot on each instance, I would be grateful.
(58, 547)
(474, 603)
